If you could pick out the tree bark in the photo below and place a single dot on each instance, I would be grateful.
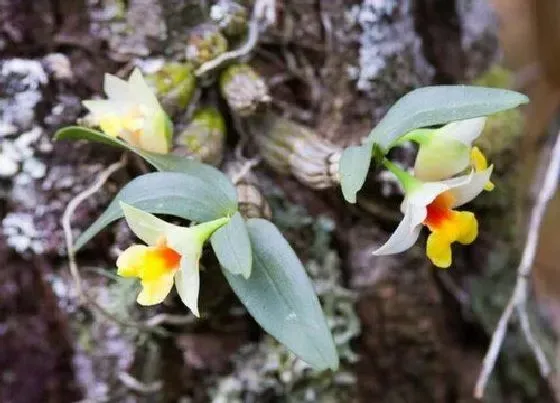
(340, 65)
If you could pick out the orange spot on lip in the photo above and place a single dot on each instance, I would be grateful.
(439, 210)
(170, 257)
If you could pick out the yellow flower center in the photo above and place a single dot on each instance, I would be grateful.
(128, 126)
(447, 226)
(479, 163)
(155, 266)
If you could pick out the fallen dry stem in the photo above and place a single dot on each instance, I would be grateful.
(518, 299)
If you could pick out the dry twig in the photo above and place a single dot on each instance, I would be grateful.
(71, 208)
(263, 11)
(140, 387)
(518, 299)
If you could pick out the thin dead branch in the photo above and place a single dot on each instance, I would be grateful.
(518, 299)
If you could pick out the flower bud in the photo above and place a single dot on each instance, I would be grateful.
(204, 137)
(205, 43)
(230, 16)
(174, 85)
(243, 89)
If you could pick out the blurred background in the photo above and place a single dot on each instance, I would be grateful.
(322, 74)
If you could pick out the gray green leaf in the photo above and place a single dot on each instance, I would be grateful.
(183, 195)
(354, 166)
(430, 106)
(232, 246)
(280, 297)
(161, 162)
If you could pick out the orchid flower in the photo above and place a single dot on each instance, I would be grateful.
(171, 256)
(432, 204)
(133, 113)
(447, 151)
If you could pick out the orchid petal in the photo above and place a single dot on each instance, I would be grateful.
(464, 131)
(117, 89)
(467, 191)
(441, 158)
(405, 235)
(145, 226)
(187, 283)
(414, 207)
(155, 290)
(130, 262)
(141, 92)
(154, 134)
(448, 151)
(425, 194)
(459, 180)
(103, 107)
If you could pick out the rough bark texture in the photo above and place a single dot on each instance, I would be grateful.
(335, 66)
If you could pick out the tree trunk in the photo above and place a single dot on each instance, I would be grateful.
(408, 333)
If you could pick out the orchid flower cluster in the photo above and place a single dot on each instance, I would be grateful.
(448, 172)
(133, 114)
(434, 192)
(254, 257)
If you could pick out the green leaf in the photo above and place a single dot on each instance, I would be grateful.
(354, 166)
(85, 133)
(232, 247)
(430, 106)
(280, 297)
(183, 195)
(162, 162)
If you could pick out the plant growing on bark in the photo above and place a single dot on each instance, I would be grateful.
(259, 264)
(432, 193)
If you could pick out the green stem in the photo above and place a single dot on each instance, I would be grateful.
(408, 181)
(206, 229)
(419, 136)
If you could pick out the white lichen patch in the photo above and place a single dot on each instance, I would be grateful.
(132, 29)
(20, 89)
(34, 167)
(389, 46)
(20, 232)
(478, 34)
(17, 154)
(8, 166)
(22, 141)
(59, 66)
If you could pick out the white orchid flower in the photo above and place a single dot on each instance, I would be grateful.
(447, 151)
(432, 204)
(171, 256)
(133, 113)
